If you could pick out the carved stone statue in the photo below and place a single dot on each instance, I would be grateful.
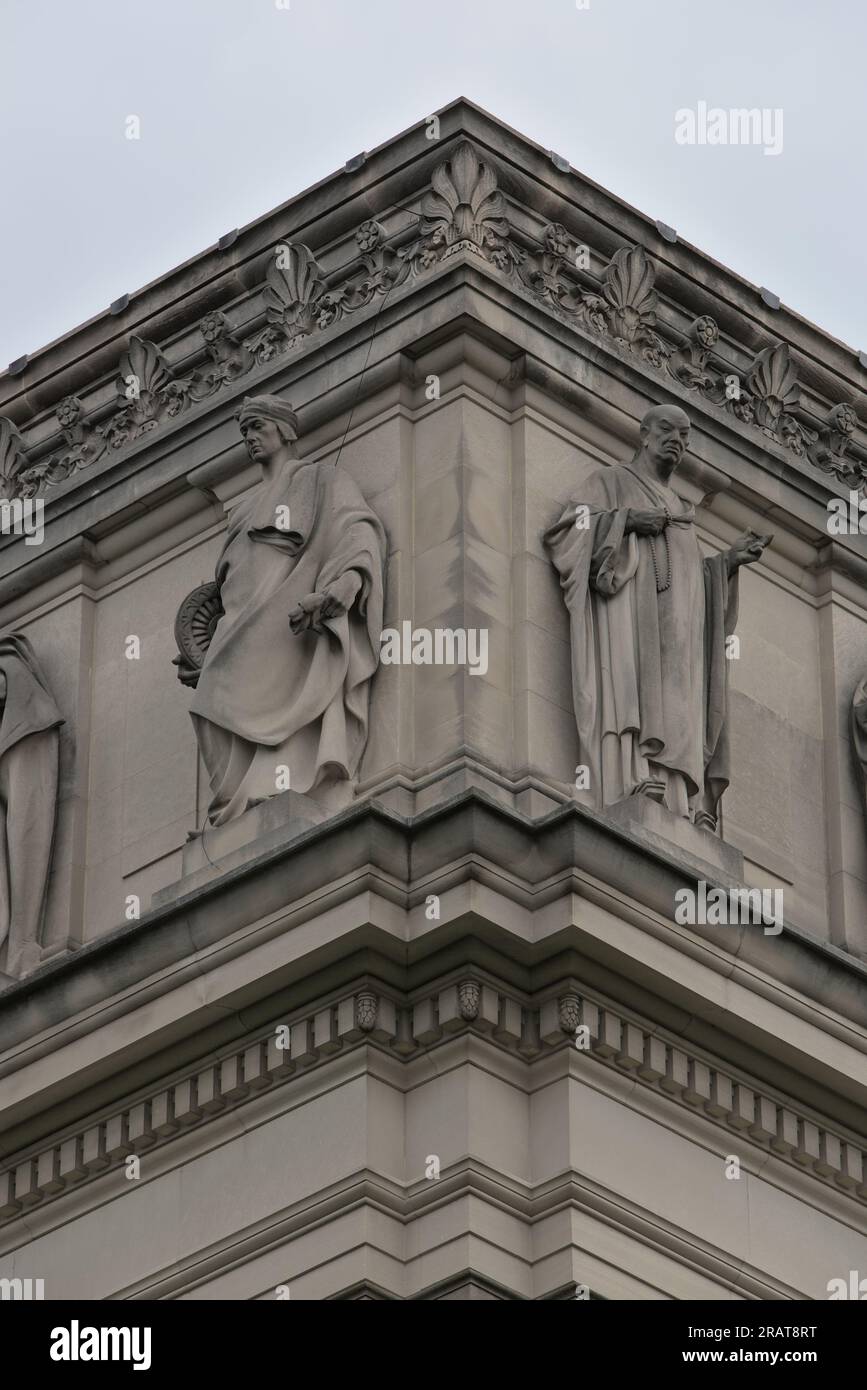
(29, 760)
(281, 649)
(649, 622)
(858, 732)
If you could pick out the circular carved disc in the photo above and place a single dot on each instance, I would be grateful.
(197, 617)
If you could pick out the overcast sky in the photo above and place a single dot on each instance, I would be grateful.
(242, 104)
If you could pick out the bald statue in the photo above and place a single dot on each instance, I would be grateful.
(649, 621)
(281, 695)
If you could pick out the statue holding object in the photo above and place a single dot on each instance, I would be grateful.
(650, 617)
(281, 647)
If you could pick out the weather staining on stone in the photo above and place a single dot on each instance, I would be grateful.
(291, 628)
(29, 762)
(649, 619)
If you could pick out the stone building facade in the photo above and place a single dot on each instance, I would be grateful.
(442, 1035)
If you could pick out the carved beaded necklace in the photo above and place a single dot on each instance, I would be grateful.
(660, 587)
(687, 516)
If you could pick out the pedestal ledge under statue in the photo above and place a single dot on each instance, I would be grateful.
(291, 629)
(650, 617)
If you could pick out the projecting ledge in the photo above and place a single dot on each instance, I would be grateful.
(468, 837)
(217, 850)
(700, 850)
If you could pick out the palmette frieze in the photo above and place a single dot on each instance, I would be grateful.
(464, 212)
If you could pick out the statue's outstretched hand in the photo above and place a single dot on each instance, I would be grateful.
(307, 616)
(338, 598)
(746, 550)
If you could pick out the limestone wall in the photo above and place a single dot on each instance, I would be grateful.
(465, 486)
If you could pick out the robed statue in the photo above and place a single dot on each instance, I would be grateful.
(29, 768)
(650, 617)
(282, 646)
(858, 734)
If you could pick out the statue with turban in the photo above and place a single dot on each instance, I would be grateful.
(281, 699)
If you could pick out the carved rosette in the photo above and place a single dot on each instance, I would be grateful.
(85, 442)
(829, 450)
(85, 445)
(545, 274)
(550, 277)
(689, 364)
(383, 269)
(230, 358)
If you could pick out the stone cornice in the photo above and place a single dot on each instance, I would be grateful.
(329, 210)
(162, 464)
(532, 1031)
(292, 294)
(599, 907)
(408, 852)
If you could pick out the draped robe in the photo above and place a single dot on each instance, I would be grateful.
(858, 731)
(29, 767)
(649, 669)
(266, 697)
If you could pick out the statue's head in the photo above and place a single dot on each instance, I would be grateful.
(664, 432)
(269, 426)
